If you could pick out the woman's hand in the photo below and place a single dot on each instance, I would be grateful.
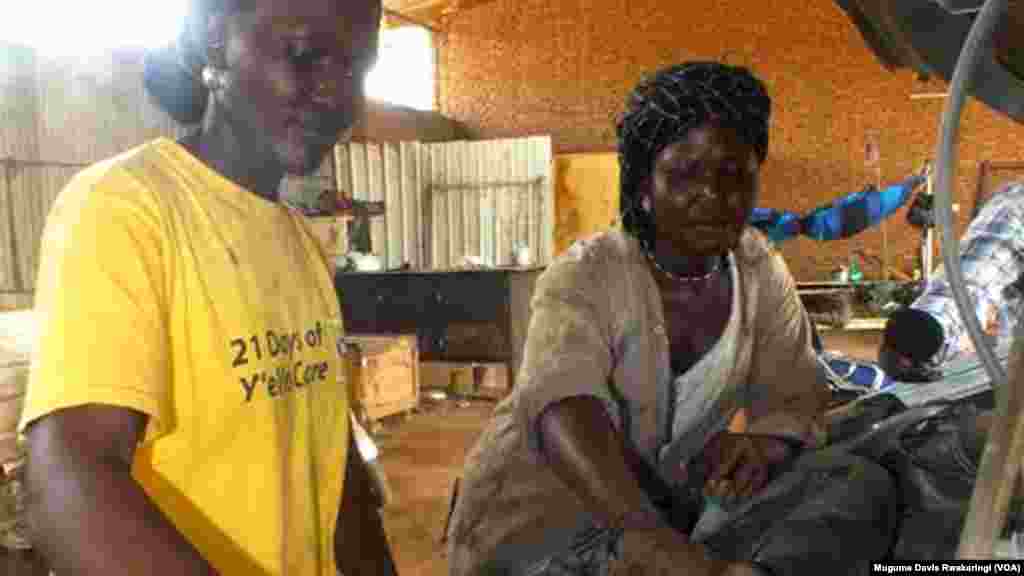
(738, 465)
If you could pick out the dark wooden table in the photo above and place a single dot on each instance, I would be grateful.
(457, 315)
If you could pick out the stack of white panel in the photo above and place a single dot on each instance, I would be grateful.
(17, 331)
(17, 336)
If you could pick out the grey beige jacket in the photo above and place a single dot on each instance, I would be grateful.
(597, 329)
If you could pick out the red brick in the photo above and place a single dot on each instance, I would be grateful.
(520, 67)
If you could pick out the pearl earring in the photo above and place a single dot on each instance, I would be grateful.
(646, 204)
(213, 79)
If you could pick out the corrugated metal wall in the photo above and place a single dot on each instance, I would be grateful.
(446, 201)
(55, 116)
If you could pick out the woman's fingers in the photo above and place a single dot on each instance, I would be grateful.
(751, 478)
(719, 489)
(745, 477)
(724, 461)
(742, 474)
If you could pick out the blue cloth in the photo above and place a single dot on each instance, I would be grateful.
(777, 225)
(842, 218)
(850, 375)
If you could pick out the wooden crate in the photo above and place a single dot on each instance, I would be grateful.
(383, 374)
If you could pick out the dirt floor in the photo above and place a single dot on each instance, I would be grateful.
(422, 456)
(861, 345)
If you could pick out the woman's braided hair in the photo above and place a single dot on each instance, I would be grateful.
(665, 106)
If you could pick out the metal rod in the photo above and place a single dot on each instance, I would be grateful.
(312, 177)
(885, 229)
(928, 248)
(14, 162)
(998, 472)
(11, 221)
(997, 477)
(510, 184)
(977, 45)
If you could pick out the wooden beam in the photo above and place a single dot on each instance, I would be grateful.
(411, 6)
(432, 9)
(409, 20)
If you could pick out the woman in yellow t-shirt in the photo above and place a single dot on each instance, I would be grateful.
(183, 413)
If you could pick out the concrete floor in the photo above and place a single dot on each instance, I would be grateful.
(422, 455)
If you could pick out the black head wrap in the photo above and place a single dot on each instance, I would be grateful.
(173, 74)
(664, 107)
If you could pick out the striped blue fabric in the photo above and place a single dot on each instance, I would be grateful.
(842, 218)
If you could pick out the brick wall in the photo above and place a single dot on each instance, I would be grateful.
(516, 67)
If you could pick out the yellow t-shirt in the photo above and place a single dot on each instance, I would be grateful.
(168, 289)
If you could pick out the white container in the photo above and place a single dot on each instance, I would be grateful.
(366, 262)
(522, 255)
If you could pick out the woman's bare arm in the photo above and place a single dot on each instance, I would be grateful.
(585, 452)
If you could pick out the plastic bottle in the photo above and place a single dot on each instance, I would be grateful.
(855, 274)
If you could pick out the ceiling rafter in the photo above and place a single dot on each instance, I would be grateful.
(430, 13)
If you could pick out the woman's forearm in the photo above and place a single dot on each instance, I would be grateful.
(585, 451)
